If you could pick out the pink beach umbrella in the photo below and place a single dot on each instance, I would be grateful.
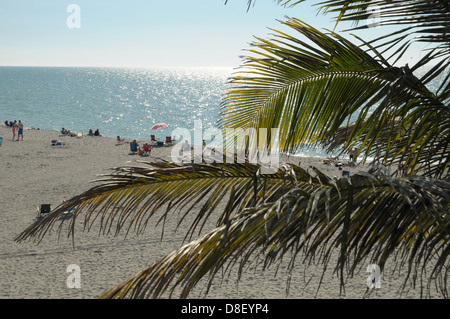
(159, 126)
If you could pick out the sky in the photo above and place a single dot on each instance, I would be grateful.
(141, 33)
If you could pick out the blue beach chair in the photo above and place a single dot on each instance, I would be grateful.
(133, 148)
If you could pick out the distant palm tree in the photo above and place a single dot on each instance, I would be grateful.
(318, 89)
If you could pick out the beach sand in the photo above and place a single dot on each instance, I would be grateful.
(34, 172)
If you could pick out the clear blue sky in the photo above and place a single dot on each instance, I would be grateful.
(140, 33)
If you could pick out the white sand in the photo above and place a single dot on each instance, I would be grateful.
(34, 172)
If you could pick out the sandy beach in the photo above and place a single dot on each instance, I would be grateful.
(34, 172)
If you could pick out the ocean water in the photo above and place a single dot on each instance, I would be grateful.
(117, 101)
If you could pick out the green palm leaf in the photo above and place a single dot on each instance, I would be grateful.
(429, 18)
(128, 197)
(291, 3)
(310, 91)
(382, 215)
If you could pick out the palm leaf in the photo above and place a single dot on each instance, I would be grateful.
(287, 3)
(127, 198)
(426, 20)
(408, 216)
(310, 90)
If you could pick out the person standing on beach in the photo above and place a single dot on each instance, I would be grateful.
(20, 133)
(353, 154)
(14, 127)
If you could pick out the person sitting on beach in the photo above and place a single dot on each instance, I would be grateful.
(147, 148)
(91, 133)
(68, 133)
(97, 133)
(186, 146)
(120, 140)
(328, 160)
(134, 145)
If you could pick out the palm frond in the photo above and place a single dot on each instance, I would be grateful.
(309, 89)
(370, 216)
(286, 3)
(272, 90)
(426, 21)
(127, 198)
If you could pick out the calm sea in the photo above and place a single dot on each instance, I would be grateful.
(117, 101)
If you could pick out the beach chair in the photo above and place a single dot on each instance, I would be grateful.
(44, 209)
(146, 149)
(153, 138)
(133, 148)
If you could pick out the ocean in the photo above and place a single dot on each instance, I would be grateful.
(117, 101)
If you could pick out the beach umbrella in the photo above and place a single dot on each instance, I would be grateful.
(159, 126)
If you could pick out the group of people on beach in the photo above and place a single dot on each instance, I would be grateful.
(96, 133)
(16, 127)
(144, 150)
(335, 160)
(69, 133)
